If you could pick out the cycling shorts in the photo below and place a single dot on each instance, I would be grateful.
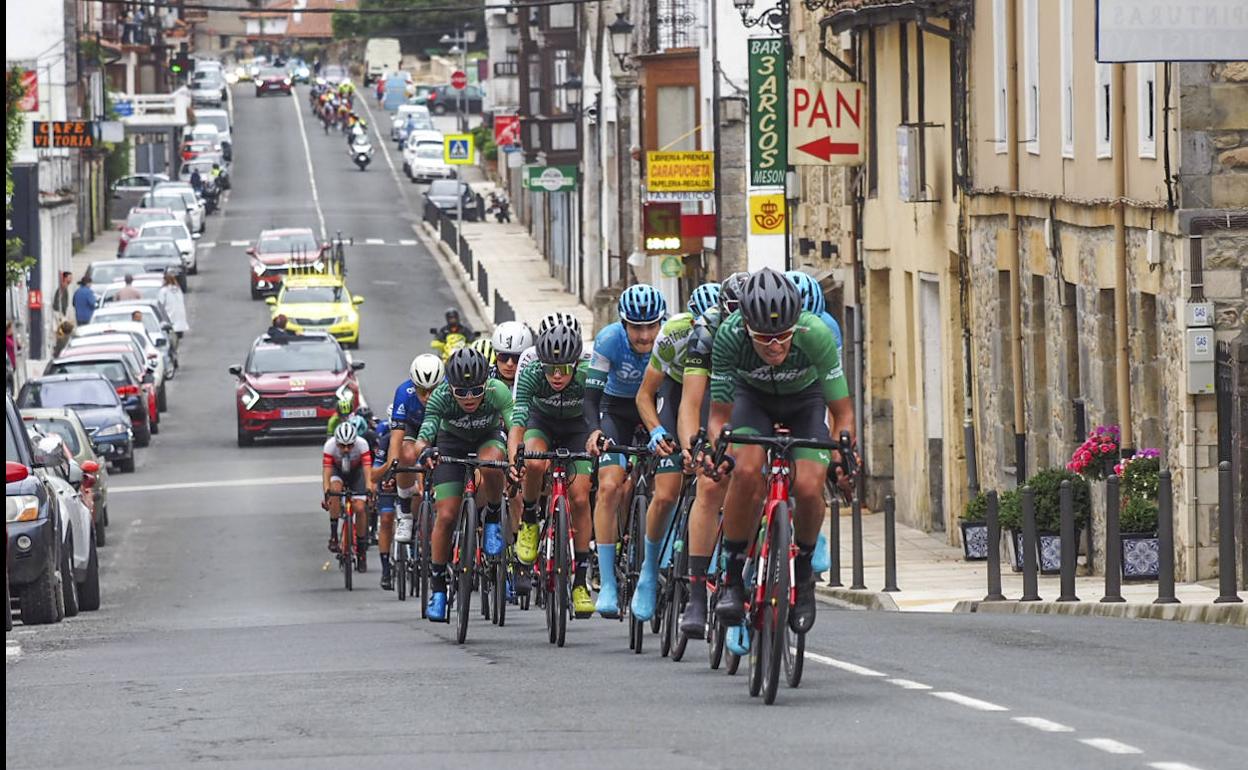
(447, 478)
(803, 413)
(669, 408)
(352, 481)
(622, 424)
(571, 434)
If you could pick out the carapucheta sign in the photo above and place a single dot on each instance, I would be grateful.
(768, 92)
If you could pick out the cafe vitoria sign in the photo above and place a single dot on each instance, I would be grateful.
(768, 95)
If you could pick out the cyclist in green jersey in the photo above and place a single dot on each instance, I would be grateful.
(345, 412)
(550, 414)
(467, 414)
(773, 363)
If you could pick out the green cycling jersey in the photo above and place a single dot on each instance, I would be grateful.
(812, 358)
(534, 391)
(668, 355)
(443, 414)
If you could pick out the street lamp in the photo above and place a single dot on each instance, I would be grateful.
(621, 31)
(572, 94)
(775, 18)
(459, 46)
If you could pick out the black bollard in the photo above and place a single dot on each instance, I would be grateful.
(834, 538)
(890, 544)
(994, 550)
(1227, 593)
(859, 580)
(1113, 544)
(1069, 546)
(1165, 540)
(1031, 581)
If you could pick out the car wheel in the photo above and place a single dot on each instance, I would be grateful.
(255, 293)
(8, 605)
(155, 426)
(244, 438)
(143, 435)
(193, 270)
(162, 399)
(439, 109)
(126, 465)
(69, 584)
(259, 93)
(100, 537)
(105, 517)
(89, 588)
(42, 601)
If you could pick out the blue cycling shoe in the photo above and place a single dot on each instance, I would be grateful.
(493, 539)
(738, 640)
(642, 606)
(821, 559)
(436, 611)
(608, 604)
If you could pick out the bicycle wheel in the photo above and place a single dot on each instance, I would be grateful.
(348, 548)
(776, 601)
(680, 576)
(500, 592)
(424, 523)
(794, 657)
(465, 558)
(563, 536)
(398, 568)
(757, 639)
(545, 578)
(633, 551)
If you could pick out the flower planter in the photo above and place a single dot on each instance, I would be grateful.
(1048, 551)
(1141, 556)
(975, 540)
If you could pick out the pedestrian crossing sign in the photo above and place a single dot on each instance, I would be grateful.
(457, 149)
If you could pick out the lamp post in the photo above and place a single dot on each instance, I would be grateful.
(620, 32)
(459, 45)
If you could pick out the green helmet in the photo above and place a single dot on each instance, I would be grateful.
(346, 406)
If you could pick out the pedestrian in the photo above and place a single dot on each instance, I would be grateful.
(480, 207)
(128, 292)
(174, 302)
(197, 181)
(63, 333)
(60, 300)
(11, 345)
(84, 301)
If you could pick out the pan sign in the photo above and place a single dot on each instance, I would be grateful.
(825, 123)
(51, 134)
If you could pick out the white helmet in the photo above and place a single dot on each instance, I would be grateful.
(427, 371)
(346, 433)
(512, 337)
(551, 320)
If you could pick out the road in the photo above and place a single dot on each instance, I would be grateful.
(226, 638)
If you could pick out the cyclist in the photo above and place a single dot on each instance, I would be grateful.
(813, 301)
(658, 400)
(773, 363)
(549, 414)
(425, 372)
(385, 492)
(468, 413)
(704, 515)
(344, 461)
(511, 339)
(346, 413)
(549, 321)
(621, 355)
(486, 348)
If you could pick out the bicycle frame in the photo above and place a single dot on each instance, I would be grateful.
(779, 485)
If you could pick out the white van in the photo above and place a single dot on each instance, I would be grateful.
(381, 55)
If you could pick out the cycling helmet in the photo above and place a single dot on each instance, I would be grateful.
(559, 345)
(346, 433)
(642, 304)
(365, 413)
(770, 303)
(346, 405)
(512, 337)
(467, 368)
(703, 298)
(551, 320)
(427, 371)
(730, 291)
(486, 348)
(811, 291)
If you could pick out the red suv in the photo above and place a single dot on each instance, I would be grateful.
(274, 254)
(292, 385)
(273, 80)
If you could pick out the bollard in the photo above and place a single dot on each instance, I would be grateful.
(1227, 593)
(834, 538)
(1113, 544)
(1069, 546)
(1165, 540)
(859, 581)
(890, 544)
(994, 550)
(1031, 581)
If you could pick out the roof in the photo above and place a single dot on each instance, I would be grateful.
(305, 25)
(847, 14)
(315, 279)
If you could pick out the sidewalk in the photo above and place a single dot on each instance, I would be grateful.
(933, 577)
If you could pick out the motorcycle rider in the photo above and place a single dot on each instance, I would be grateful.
(454, 326)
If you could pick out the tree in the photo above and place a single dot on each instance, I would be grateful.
(421, 26)
(15, 265)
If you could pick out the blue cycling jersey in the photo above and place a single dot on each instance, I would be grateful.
(615, 366)
(383, 443)
(408, 408)
(831, 323)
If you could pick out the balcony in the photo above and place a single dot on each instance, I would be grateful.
(672, 24)
(506, 69)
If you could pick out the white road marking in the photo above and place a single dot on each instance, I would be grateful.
(908, 684)
(240, 243)
(12, 649)
(407, 242)
(374, 241)
(1172, 766)
(852, 668)
(1110, 746)
(307, 153)
(204, 484)
(207, 245)
(968, 701)
(1043, 725)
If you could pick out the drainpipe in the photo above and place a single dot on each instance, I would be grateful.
(1013, 255)
(1121, 340)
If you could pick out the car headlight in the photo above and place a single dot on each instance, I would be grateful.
(258, 268)
(343, 319)
(249, 397)
(113, 430)
(344, 392)
(21, 508)
(286, 81)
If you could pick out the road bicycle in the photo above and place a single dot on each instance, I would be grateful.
(632, 536)
(768, 578)
(348, 558)
(674, 579)
(410, 560)
(468, 558)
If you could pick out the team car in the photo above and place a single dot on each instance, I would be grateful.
(319, 303)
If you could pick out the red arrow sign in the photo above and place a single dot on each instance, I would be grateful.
(824, 148)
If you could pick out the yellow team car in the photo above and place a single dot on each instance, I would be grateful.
(319, 303)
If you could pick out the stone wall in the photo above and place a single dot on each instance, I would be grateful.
(1213, 119)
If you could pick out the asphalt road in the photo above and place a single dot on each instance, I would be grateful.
(226, 637)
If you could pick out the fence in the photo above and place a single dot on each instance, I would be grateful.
(478, 275)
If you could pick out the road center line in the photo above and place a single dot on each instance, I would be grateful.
(206, 484)
(1172, 766)
(1110, 746)
(909, 684)
(12, 649)
(1044, 725)
(307, 154)
(968, 701)
(852, 668)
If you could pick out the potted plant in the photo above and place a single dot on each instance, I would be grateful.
(1137, 520)
(1095, 457)
(1010, 517)
(975, 528)
(1046, 485)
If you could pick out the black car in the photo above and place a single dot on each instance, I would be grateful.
(131, 386)
(442, 193)
(273, 80)
(98, 406)
(446, 99)
(32, 528)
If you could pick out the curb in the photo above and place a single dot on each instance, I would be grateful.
(1215, 614)
(462, 285)
(868, 600)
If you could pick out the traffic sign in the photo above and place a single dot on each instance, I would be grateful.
(458, 150)
(506, 130)
(459, 79)
(825, 123)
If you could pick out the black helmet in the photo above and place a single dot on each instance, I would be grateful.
(466, 368)
(559, 345)
(730, 291)
(365, 412)
(770, 303)
(452, 313)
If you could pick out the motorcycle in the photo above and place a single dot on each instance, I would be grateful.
(361, 151)
(211, 196)
(453, 342)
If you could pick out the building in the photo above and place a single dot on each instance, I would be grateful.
(285, 23)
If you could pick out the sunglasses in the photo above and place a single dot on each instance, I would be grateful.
(772, 339)
(473, 392)
(507, 358)
(564, 369)
(732, 305)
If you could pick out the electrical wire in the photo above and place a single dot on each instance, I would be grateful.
(414, 11)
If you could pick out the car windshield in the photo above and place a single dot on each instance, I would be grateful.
(204, 168)
(114, 271)
(219, 122)
(152, 248)
(273, 72)
(447, 187)
(68, 393)
(429, 150)
(117, 314)
(171, 201)
(169, 231)
(335, 71)
(60, 428)
(139, 218)
(288, 243)
(114, 371)
(295, 294)
(296, 356)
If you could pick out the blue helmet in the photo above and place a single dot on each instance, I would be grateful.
(811, 291)
(703, 298)
(642, 304)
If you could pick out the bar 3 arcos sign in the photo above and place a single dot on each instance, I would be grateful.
(768, 94)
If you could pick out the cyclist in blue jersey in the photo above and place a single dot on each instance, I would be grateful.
(409, 412)
(621, 355)
(813, 302)
(385, 492)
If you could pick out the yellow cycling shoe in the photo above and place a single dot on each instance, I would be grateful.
(582, 602)
(526, 543)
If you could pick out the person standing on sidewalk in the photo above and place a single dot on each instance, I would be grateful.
(174, 302)
(84, 301)
(60, 300)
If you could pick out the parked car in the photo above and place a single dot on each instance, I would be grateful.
(208, 87)
(137, 183)
(33, 528)
(446, 99)
(96, 405)
(203, 164)
(148, 286)
(154, 351)
(173, 230)
(416, 112)
(153, 256)
(446, 195)
(135, 219)
(219, 119)
(425, 162)
(134, 387)
(172, 200)
(80, 569)
(299, 70)
(155, 319)
(121, 346)
(194, 203)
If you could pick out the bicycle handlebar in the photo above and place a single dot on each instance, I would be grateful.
(556, 454)
(474, 462)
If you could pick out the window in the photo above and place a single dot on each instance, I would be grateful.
(1104, 119)
(1068, 80)
(1031, 75)
(1146, 108)
(562, 16)
(1000, 116)
(560, 75)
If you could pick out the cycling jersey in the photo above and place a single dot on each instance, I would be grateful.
(383, 444)
(346, 462)
(409, 411)
(528, 356)
(701, 341)
(668, 355)
(361, 425)
(812, 359)
(831, 323)
(445, 416)
(534, 392)
(615, 367)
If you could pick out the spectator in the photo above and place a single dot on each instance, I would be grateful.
(174, 302)
(60, 301)
(84, 301)
(63, 333)
(10, 344)
(128, 292)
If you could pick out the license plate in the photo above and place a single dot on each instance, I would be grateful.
(295, 414)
